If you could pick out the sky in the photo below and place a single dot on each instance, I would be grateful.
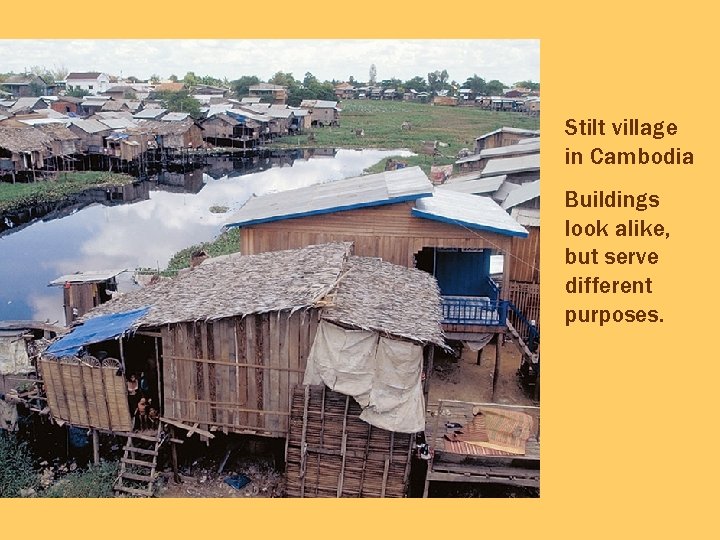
(508, 61)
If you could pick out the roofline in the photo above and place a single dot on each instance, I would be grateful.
(423, 214)
(332, 210)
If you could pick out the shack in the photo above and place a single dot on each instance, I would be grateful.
(503, 137)
(225, 344)
(322, 113)
(23, 150)
(83, 291)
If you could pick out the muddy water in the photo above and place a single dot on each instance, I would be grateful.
(172, 214)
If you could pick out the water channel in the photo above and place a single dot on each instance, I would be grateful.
(146, 233)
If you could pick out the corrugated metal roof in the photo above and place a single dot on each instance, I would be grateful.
(90, 126)
(318, 104)
(533, 145)
(175, 116)
(527, 217)
(87, 277)
(466, 210)
(117, 123)
(504, 190)
(372, 190)
(526, 192)
(530, 140)
(475, 187)
(518, 131)
(512, 165)
(150, 113)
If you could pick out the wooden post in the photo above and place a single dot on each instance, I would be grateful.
(428, 373)
(96, 447)
(174, 456)
(496, 370)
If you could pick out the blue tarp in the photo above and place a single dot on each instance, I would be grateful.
(94, 331)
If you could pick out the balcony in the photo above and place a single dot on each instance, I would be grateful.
(474, 310)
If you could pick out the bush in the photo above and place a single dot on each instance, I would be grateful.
(16, 467)
(94, 482)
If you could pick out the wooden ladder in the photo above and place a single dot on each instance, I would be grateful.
(138, 466)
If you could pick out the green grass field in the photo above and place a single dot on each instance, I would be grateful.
(47, 191)
(382, 120)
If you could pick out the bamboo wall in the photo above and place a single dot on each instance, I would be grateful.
(236, 374)
(526, 297)
(388, 232)
(332, 453)
(86, 396)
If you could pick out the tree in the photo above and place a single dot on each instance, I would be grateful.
(351, 79)
(495, 88)
(310, 80)
(437, 81)
(528, 84)
(173, 78)
(417, 83)
(190, 78)
(373, 75)
(476, 84)
(180, 101)
(77, 92)
(154, 78)
(241, 86)
(283, 79)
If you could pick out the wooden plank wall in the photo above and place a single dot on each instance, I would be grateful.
(525, 254)
(86, 396)
(332, 453)
(236, 374)
(388, 232)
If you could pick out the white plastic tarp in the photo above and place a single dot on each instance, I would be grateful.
(382, 374)
(13, 355)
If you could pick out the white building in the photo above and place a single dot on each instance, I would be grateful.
(92, 82)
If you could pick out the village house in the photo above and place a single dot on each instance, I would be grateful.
(322, 113)
(66, 105)
(92, 82)
(477, 162)
(503, 136)
(22, 150)
(269, 93)
(344, 90)
(92, 133)
(242, 344)
(398, 217)
(28, 85)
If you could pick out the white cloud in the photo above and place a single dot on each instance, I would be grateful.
(506, 60)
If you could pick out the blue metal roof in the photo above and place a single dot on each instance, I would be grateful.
(388, 187)
(95, 330)
(467, 210)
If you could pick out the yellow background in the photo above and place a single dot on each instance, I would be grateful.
(628, 433)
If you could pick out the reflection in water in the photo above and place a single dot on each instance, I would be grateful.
(148, 232)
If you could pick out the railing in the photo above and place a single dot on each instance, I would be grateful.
(478, 310)
(528, 330)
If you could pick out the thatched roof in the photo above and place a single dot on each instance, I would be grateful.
(376, 295)
(359, 292)
(59, 132)
(235, 285)
(23, 139)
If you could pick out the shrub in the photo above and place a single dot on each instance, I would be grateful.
(16, 467)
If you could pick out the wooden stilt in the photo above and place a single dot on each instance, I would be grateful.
(174, 456)
(96, 447)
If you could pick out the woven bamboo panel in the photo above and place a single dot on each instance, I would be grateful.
(86, 396)
(344, 456)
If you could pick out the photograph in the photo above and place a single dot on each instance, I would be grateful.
(270, 268)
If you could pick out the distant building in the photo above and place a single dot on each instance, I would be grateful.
(92, 82)
(271, 93)
(27, 86)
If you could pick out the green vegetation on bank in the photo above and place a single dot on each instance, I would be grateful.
(21, 195)
(381, 123)
(16, 467)
(227, 242)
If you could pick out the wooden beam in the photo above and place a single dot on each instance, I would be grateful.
(192, 429)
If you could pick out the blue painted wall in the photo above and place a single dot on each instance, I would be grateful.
(463, 273)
